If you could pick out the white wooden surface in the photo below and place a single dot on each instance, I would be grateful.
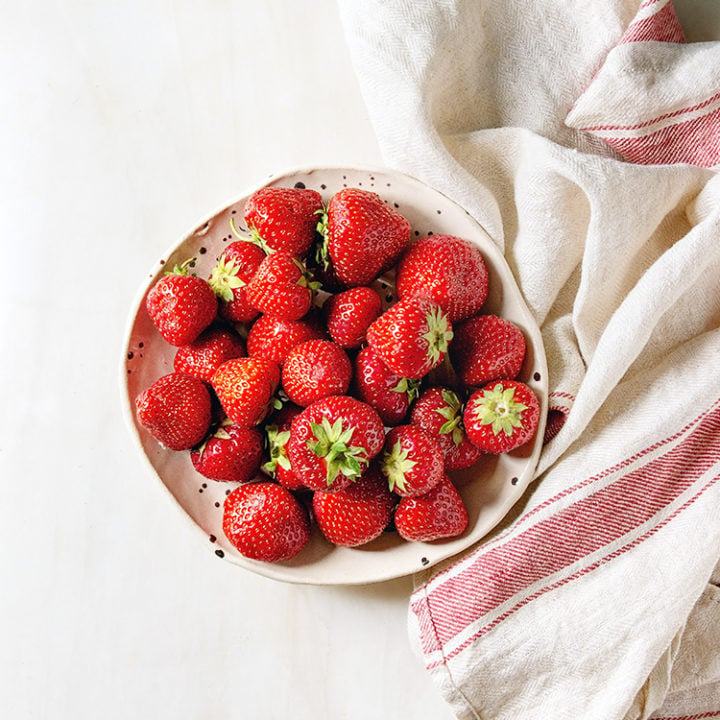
(122, 125)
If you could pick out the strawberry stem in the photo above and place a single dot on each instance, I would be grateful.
(331, 443)
(254, 238)
(182, 269)
(395, 465)
(276, 441)
(224, 279)
(322, 249)
(439, 333)
(498, 408)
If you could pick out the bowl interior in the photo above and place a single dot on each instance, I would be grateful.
(489, 489)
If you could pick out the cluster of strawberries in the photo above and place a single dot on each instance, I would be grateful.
(336, 404)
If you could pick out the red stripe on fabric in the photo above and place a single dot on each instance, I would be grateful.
(666, 116)
(580, 573)
(556, 417)
(561, 394)
(701, 716)
(589, 481)
(696, 142)
(570, 534)
(663, 26)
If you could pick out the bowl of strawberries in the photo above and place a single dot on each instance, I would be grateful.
(336, 378)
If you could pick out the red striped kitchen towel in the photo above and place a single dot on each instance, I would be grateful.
(655, 105)
(598, 597)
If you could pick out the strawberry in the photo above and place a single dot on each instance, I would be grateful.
(265, 521)
(333, 441)
(282, 287)
(451, 270)
(412, 336)
(245, 388)
(358, 514)
(232, 454)
(439, 513)
(278, 433)
(362, 236)
(315, 369)
(349, 314)
(175, 410)
(230, 276)
(272, 337)
(377, 385)
(487, 347)
(412, 461)
(438, 411)
(208, 352)
(283, 219)
(181, 305)
(501, 416)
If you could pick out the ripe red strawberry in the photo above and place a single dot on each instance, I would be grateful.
(439, 513)
(487, 347)
(235, 268)
(245, 388)
(377, 385)
(358, 514)
(363, 236)
(283, 219)
(264, 521)
(208, 352)
(282, 287)
(501, 416)
(175, 410)
(412, 461)
(438, 411)
(349, 314)
(315, 369)
(181, 305)
(232, 454)
(333, 441)
(272, 337)
(278, 433)
(451, 270)
(412, 336)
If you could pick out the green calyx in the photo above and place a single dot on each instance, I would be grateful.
(255, 237)
(220, 433)
(322, 251)
(331, 443)
(183, 268)
(452, 413)
(306, 278)
(410, 387)
(276, 441)
(498, 408)
(224, 279)
(396, 465)
(438, 335)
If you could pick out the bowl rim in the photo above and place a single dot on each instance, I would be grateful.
(275, 571)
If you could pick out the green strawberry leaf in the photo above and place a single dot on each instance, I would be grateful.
(276, 441)
(331, 443)
(396, 465)
(499, 409)
(254, 238)
(224, 279)
(439, 334)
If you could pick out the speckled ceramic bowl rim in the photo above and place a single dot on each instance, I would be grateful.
(293, 573)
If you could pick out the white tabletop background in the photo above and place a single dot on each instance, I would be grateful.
(122, 126)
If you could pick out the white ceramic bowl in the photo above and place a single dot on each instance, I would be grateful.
(489, 489)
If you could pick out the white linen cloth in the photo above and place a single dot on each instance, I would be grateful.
(585, 138)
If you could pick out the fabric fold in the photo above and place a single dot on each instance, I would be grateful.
(580, 604)
(656, 99)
